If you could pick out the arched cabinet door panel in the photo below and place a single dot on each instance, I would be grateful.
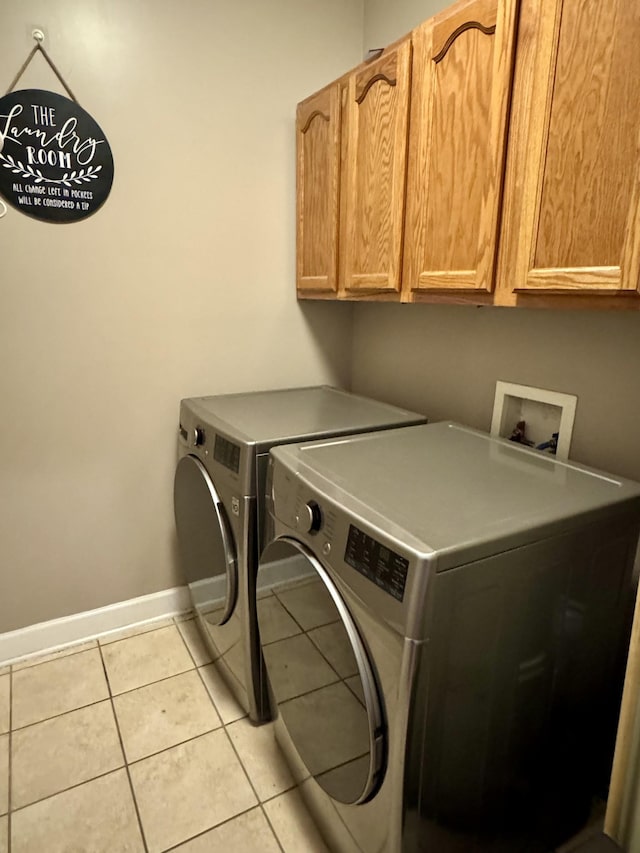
(574, 215)
(207, 549)
(317, 181)
(323, 681)
(461, 87)
(377, 115)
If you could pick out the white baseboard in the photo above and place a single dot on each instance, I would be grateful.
(58, 633)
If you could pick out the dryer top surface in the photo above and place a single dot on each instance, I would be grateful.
(446, 488)
(266, 418)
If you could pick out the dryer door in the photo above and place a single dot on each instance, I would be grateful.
(206, 543)
(322, 679)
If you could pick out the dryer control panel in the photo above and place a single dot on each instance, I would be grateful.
(226, 453)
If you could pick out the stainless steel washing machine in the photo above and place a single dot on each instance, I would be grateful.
(219, 489)
(451, 677)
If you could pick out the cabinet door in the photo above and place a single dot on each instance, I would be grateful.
(375, 173)
(576, 226)
(318, 173)
(462, 72)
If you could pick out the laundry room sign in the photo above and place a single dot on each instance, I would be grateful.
(55, 161)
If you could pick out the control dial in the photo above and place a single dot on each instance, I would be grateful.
(309, 518)
(197, 436)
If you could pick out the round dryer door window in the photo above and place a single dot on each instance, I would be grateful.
(207, 551)
(321, 677)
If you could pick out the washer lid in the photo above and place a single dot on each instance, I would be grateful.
(207, 550)
(323, 681)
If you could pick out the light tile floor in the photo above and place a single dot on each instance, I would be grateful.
(132, 744)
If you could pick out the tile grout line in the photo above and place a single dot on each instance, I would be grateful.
(212, 700)
(126, 761)
(270, 825)
(110, 697)
(173, 746)
(186, 645)
(244, 770)
(69, 788)
(61, 714)
(125, 764)
(338, 680)
(222, 727)
(53, 655)
(260, 804)
(149, 683)
(293, 787)
(105, 698)
(124, 755)
(210, 829)
(297, 619)
(302, 632)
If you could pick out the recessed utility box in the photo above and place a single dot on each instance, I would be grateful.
(543, 413)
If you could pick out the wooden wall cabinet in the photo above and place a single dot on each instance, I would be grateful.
(374, 177)
(492, 157)
(462, 72)
(572, 200)
(351, 175)
(318, 138)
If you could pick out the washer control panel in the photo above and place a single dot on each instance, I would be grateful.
(372, 567)
(375, 561)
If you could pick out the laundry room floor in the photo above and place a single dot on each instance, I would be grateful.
(133, 743)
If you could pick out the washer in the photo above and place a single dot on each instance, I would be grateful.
(219, 487)
(451, 676)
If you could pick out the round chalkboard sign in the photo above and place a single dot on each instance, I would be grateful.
(55, 162)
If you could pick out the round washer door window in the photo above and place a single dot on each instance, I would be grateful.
(207, 551)
(322, 679)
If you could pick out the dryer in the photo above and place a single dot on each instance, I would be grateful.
(219, 488)
(452, 681)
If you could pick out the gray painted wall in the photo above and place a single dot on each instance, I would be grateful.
(182, 284)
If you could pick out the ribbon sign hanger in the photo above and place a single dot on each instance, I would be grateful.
(38, 35)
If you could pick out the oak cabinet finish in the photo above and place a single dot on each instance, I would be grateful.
(318, 122)
(572, 220)
(376, 123)
(491, 157)
(462, 70)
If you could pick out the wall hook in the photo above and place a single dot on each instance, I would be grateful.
(39, 37)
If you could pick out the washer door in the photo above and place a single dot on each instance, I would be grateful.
(206, 543)
(321, 678)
